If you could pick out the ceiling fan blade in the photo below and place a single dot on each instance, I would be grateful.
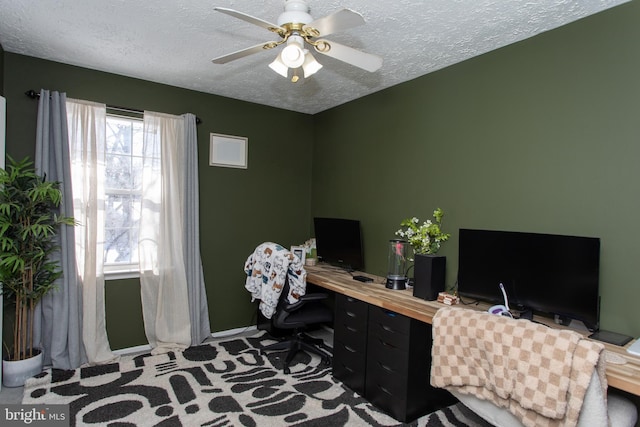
(352, 56)
(242, 53)
(251, 19)
(337, 21)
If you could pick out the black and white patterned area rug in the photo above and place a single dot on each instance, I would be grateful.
(223, 383)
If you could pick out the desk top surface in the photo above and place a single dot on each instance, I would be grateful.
(624, 377)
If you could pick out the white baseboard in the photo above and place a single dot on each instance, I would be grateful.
(220, 334)
(131, 350)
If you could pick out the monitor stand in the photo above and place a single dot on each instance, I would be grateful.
(526, 314)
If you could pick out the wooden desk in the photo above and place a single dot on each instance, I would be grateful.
(623, 377)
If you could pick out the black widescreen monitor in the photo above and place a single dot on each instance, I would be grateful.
(548, 274)
(339, 242)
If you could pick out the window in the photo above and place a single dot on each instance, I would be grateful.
(123, 175)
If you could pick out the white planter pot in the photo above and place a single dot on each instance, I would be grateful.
(15, 373)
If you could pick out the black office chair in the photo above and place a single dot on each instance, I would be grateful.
(306, 312)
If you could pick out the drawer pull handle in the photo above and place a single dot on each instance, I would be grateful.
(386, 344)
(350, 314)
(384, 389)
(386, 368)
(349, 349)
(349, 328)
(387, 328)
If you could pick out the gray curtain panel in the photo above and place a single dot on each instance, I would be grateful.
(58, 317)
(200, 328)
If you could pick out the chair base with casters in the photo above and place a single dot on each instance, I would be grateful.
(299, 341)
(299, 316)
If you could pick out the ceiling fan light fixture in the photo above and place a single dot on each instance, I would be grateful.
(310, 65)
(279, 67)
(293, 54)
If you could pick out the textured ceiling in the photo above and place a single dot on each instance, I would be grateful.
(173, 41)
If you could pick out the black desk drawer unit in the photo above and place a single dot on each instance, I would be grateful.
(398, 366)
(350, 342)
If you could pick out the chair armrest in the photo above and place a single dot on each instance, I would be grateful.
(314, 297)
(303, 300)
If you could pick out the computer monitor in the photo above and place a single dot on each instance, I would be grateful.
(339, 242)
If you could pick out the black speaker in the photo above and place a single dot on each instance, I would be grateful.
(429, 272)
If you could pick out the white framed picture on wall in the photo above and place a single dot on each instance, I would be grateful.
(228, 151)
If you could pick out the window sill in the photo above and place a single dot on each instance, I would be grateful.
(122, 274)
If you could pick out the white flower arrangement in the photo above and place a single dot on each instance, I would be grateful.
(425, 238)
(310, 248)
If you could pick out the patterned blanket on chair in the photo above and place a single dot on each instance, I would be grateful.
(538, 373)
(267, 269)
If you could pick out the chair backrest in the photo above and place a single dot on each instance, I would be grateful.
(273, 272)
(279, 318)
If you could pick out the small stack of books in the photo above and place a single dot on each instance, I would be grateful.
(448, 299)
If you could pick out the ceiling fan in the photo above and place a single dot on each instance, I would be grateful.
(297, 29)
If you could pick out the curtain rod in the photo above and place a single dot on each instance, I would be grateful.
(35, 95)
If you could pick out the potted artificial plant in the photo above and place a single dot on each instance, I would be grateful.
(428, 268)
(28, 227)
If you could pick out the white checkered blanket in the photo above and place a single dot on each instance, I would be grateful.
(538, 373)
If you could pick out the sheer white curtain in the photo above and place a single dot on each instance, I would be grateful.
(87, 131)
(163, 278)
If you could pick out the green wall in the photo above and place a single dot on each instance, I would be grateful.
(238, 208)
(540, 136)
